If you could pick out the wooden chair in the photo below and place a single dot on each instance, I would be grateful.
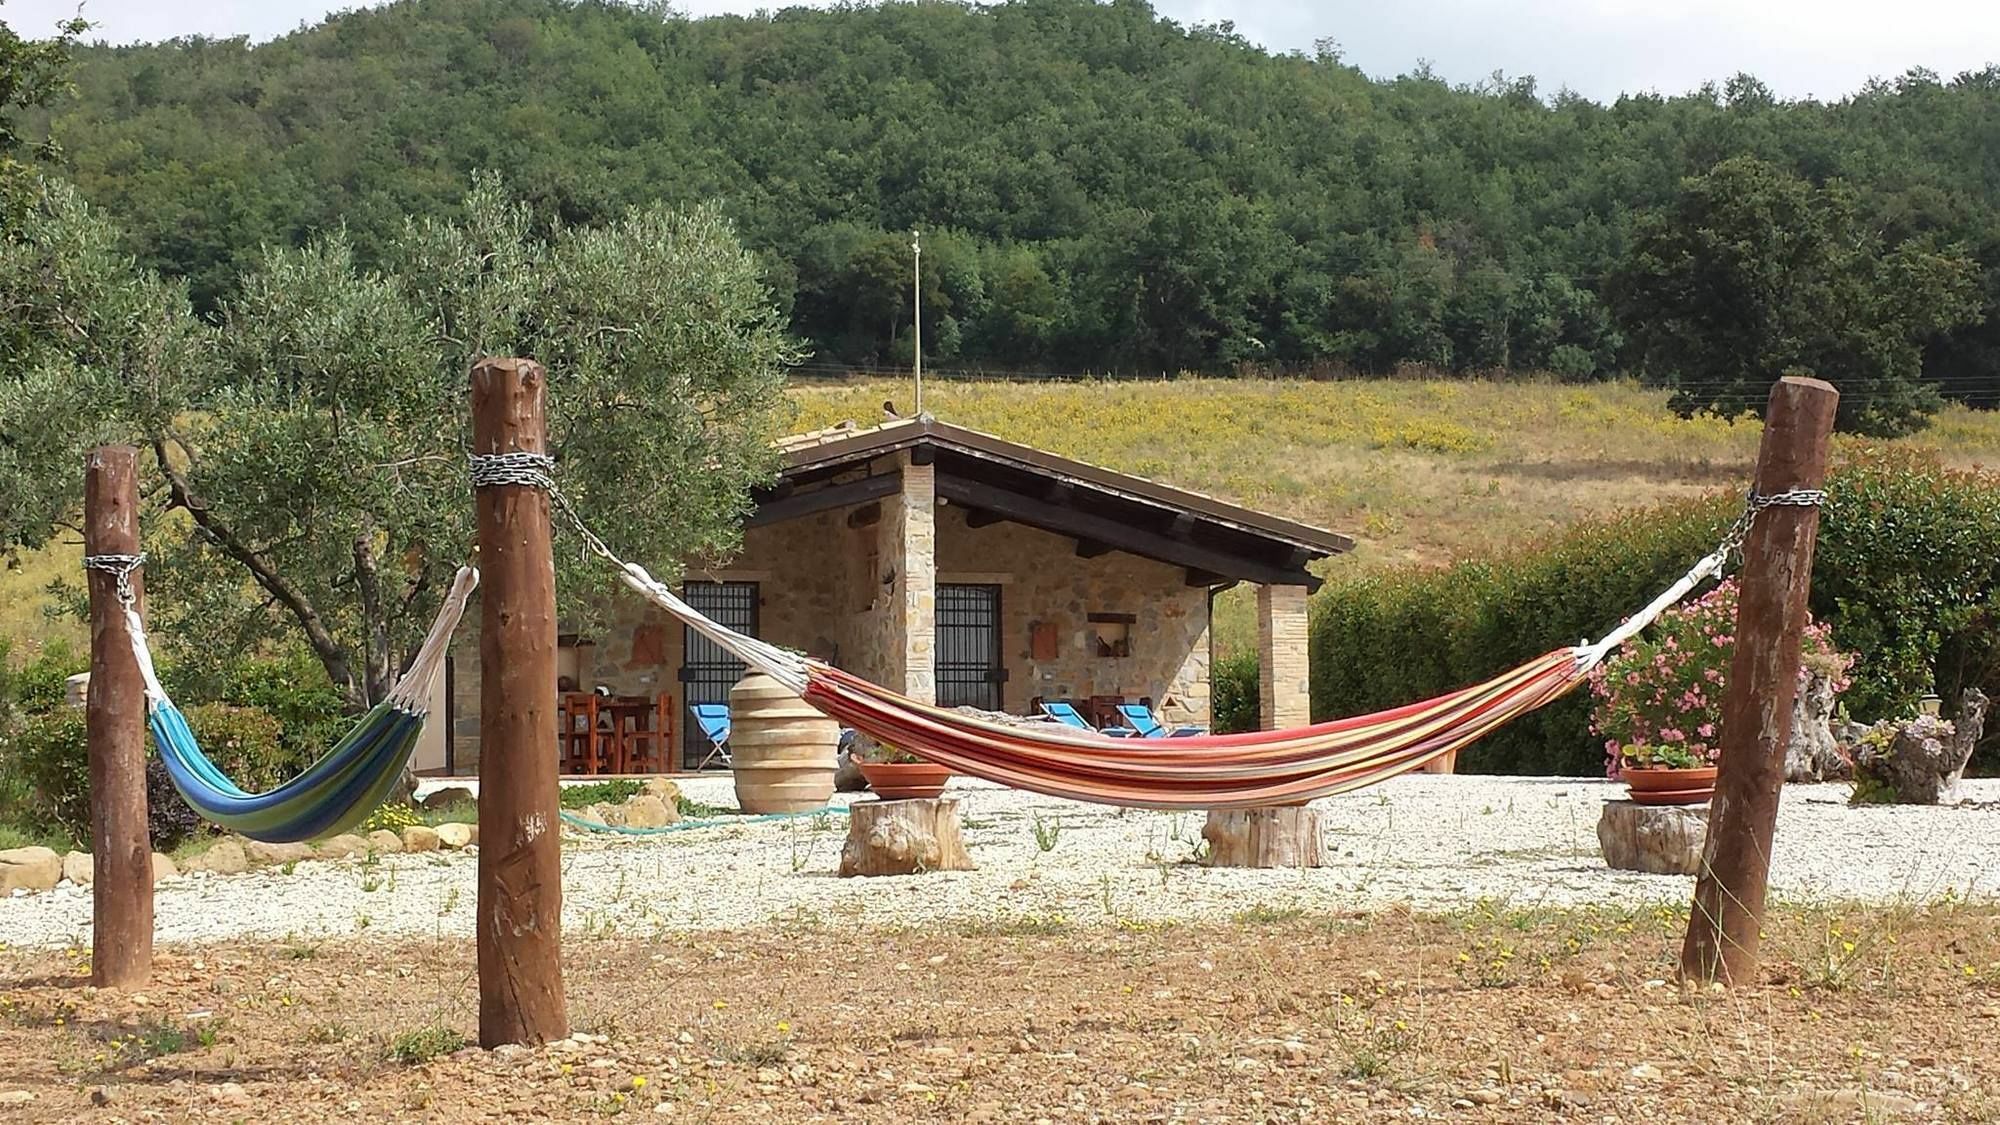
(578, 741)
(648, 747)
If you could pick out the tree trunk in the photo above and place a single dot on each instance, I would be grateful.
(1285, 836)
(378, 674)
(904, 838)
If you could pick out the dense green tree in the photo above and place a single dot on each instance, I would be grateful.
(307, 446)
(1106, 190)
(1752, 273)
(32, 73)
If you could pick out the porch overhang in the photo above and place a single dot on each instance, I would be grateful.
(994, 480)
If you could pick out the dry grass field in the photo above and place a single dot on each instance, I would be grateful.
(1416, 470)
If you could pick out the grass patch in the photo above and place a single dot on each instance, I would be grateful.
(413, 1048)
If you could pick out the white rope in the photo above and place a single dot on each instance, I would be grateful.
(412, 691)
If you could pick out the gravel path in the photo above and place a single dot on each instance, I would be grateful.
(1434, 842)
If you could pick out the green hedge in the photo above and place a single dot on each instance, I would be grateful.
(1234, 704)
(1906, 574)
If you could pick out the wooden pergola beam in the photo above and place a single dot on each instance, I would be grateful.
(797, 504)
(1082, 525)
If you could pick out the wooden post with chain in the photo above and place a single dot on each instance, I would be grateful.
(1771, 616)
(519, 923)
(121, 850)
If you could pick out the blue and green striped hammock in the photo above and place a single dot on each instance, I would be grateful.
(336, 792)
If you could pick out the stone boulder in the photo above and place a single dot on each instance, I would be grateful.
(1812, 753)
(1656, 839)
(224, 857)
(343, 846)
(420, 838)
(79, 868)
(383, 840)
(447, 797)
(648, 811)
(457, 835)
(261, 854)
(30, 869)
(1920, 761)
(164, 867)
(613, 815)
(667, 791)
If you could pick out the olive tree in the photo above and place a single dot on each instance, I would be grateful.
(308, 449)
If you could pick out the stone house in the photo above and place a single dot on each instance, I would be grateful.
(963, 569)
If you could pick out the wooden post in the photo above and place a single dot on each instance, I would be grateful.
(1722, 932)
(520, 856)
(121, 852)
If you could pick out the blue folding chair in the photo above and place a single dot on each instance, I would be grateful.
(713, 719)
(1065, 712)
(1148, 725)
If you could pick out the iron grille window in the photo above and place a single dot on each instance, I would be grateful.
(708, 670)
(970, 671)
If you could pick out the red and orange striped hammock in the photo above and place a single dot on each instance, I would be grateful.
(1200, 772)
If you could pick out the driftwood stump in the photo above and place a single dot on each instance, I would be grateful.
(904, 838)
(1656, 839)
(1286, 836)
(1812, 753)
(1918, 762)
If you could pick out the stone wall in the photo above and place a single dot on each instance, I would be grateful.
(1042, 581)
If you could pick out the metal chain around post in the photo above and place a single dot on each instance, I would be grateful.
(120, 567)
(1732, 540)
(537, 470)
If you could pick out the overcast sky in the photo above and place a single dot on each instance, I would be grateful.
(1819, 48)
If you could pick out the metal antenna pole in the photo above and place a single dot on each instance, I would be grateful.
(917, 309)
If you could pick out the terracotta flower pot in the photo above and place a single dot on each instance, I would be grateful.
(1669, 786)
(903, 781)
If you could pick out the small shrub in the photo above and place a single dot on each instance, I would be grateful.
(392, 815)
(50, 752)
(42, 684)
(598, 792)
(413, 1048)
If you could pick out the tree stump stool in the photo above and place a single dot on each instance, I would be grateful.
(1284, 836)
(904, 838)
(1656, 839)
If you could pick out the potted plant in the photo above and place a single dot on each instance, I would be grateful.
(898, 775)
(1658, 700)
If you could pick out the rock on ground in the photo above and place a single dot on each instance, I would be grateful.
(447, 797)
(383, 840)
(457, 835)
(224, 857)
(648, 811)
(666, 790)
(32, 869)
(164, 868)
(79, 868)
(343, 846)
(420, 838)
(262, 854)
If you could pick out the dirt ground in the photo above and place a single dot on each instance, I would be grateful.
(1484, 1015)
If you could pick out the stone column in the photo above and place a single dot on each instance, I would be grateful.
(1284, 687)
(909, 544)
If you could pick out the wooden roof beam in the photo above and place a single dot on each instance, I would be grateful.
(781, 508)
(1123, 536)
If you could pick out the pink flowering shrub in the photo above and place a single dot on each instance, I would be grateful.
(1658, 700)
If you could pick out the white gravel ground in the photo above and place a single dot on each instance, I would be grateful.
(1433, 842)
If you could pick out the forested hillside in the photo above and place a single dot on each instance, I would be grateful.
(1099, 189)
